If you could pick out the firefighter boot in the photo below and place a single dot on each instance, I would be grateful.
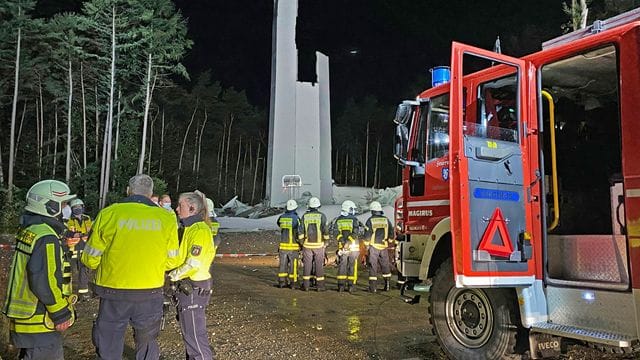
(305, 285)
(351, 288)
(340, 287)
(320, 285)
(387, 286)
(280, 284)
(373, 284)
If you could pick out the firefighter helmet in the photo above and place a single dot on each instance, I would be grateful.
(375, 206)
(314, 203)
(47, 196)
(291, 205)
(349, 207)
(76, 202)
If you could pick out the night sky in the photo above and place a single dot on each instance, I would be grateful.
(376, 47)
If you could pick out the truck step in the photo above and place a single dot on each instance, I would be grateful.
(588, 335)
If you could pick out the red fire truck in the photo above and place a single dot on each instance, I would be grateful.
(520, 213)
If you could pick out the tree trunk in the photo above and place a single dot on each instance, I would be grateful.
(195, 149)
(255, 173)
(67, 168)
(221, 157)
(115, 150)
(24, 111)
(204, 123)
(153, 124)
(184, 142)
(1, 167)
(13, 117)
(109, 125)
(55, 140)
(226, 160)
(366, 159)
(147, 103)
(346, 169)
(41, 139)
(235, 178)
(97, 126)
(161, 143)
(38, 130)
(376, 180)
(244, 170)
(84, 120)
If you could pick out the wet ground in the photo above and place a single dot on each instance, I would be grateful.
(249, 318)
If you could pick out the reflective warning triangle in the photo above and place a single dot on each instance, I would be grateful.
(496, 223)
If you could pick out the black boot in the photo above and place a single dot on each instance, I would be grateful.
(280, 284)
(351, 288)
(373, 284)
(340, 288)
(387, 286)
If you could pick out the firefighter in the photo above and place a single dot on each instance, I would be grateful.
(78, 228)
(377, 237)
(346, 228)
(192, 276)
(39, 303)
(289, 246)
(131, 245)
(313, 231)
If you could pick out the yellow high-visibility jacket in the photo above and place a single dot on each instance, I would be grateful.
(196, 251)
(132, 244)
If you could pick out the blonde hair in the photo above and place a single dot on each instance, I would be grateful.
(196, 200)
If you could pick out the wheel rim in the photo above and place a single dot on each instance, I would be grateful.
(469, 316)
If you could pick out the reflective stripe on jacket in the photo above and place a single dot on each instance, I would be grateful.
(346, 227)
(196, 252)
(313, 229)
(288, 223)
(132, 244)
(377, 232)
(37, 286)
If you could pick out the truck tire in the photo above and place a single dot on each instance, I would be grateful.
(472, 323)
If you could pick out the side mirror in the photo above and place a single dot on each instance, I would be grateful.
(404, 112)
(401, 143)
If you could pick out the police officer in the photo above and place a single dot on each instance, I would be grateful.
(131, 245)
(313, 230)
(38, 301)
(194, 287)
(289, 246)
(78, 228)
(346, 228)
(377, 237)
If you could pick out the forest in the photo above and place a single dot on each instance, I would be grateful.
(93, 96)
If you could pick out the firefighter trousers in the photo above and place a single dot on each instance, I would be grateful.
(288, 268)
(312, 257)
(348, 268)
(379, 265)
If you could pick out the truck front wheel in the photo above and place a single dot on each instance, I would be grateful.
(471, 323)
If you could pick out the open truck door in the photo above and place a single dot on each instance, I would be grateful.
(490, 175)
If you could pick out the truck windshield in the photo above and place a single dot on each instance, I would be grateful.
(497, 110)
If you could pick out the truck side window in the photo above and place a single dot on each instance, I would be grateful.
(438, 128)
(418, 153)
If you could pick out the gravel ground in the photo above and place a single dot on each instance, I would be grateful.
(249, 318)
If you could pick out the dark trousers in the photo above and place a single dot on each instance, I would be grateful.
(288, 266)
(83, 274)
(379, 261)
(193, 323)
(45, 352)
(347, 266)
(113, 318)
(312, 257)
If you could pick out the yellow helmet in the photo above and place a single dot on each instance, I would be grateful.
(46, 197)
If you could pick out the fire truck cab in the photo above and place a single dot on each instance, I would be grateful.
(519, 218)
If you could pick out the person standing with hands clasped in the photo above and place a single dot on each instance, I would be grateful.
(39, 304)
(192, 276)
(132, 244)
(313, 230)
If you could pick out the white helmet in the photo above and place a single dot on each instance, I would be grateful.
(375, 206)
(314, 203)
(210, 207)
(291, 205)
(76, 202)
(349, 207)
(46, 197)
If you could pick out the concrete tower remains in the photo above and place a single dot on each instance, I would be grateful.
(299, 118)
